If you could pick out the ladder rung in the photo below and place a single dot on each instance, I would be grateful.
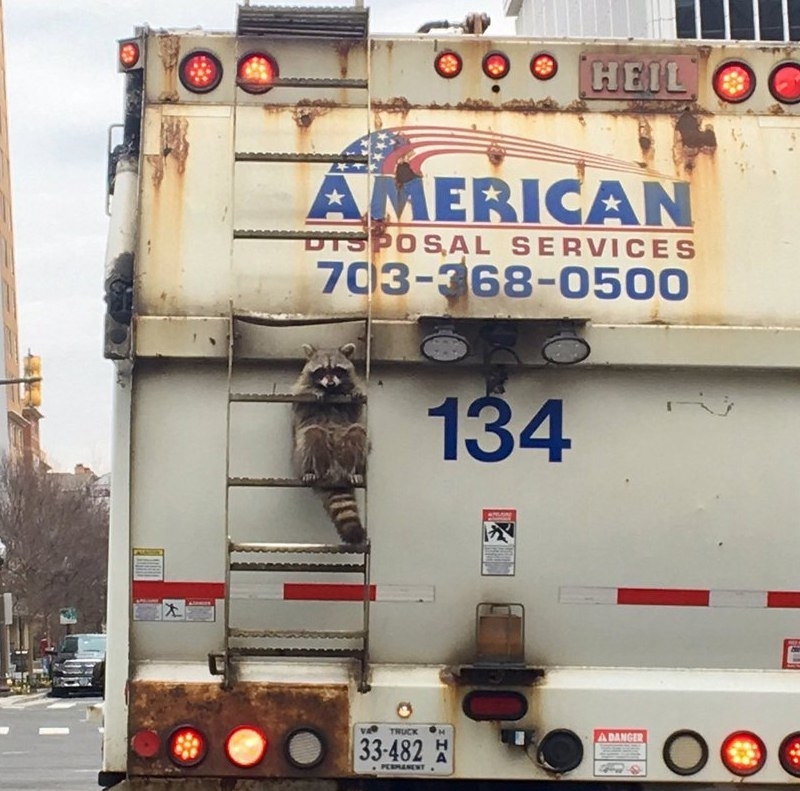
(284, 482)
(273, 234)
(320, 568)
(318, 82)
(289, 398)
(294, 320)
(270, 156)
(327, 653)
(317, 549)
(297, 634)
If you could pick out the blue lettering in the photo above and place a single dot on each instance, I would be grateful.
(611, 203)
(491, 195)
(678, 208)
(554, 200)
(448, 199)
(530, 201)
(334, 197)
(386, 188)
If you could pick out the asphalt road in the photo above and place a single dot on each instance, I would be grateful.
(48, 744)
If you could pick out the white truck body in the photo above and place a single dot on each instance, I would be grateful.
(637, 511)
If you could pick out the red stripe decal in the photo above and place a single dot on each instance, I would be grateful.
(157, 589)
(662, 597)
(783, 599)
(321, 591)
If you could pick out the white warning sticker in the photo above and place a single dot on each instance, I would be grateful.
(791, 654)
(620, 752)
(499, 554)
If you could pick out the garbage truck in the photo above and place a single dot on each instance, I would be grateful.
(565, 273)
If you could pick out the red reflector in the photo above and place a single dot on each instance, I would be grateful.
(187, 746)
(784, 83)
(495, 705)
(128, 54)
(246, 746)
(200, 72)
(448, 64)
(257, 72)
(743, 753)
(544, 66)
(790, 754)
(734, 82)
(145, 744)
(496, 65)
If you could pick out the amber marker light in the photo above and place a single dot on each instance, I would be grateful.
(496, 65)
(784, 83)
(544, 66)
(200, 72)
(257, 72)
(246, 746)
(734, 81)
(128, 54)
(448, 64)
(743, 753)
(187, 746)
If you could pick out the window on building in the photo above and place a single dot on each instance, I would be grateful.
(742, 20)
(765, 20)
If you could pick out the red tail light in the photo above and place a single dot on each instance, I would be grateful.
(257, 72)
(790, 754)
(246, 746)
(496, 65)
(145, 743)
(544, 66)
(187, 746)
(448, 64)
(734, 81)
(495, 705)
(128, 54)
(200, 72)
(743, 753)
(784, 83)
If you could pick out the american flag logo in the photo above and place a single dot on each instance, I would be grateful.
(403, 150)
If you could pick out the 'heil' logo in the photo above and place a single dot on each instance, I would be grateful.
(395, 158)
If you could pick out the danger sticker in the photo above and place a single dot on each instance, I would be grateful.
(499, 552)
(620, 752)
(791, 654)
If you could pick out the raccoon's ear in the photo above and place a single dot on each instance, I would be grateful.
(309, 350)
(348, 349)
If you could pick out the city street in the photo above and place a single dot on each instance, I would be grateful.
(48, 743)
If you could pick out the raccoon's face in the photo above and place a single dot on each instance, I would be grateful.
(330, 370)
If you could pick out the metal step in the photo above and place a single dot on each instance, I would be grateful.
(315, 549)
(325, 653)
(240, 233)
(297, 634)
(278, 21)
(320, 568)
(289, 398)
(295, 320)
(284, 483)
(273, 156)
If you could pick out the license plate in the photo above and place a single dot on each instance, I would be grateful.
(392, 749)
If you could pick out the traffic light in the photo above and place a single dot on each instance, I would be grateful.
(33, 390)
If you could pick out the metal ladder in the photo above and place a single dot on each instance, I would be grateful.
(282, 557)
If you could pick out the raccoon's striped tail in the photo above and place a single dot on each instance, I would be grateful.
(340, 505)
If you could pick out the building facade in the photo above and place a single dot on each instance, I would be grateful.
(752, 20)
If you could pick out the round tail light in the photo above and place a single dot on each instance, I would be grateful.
(495, 705)
(496, 65)
(734, 81)
(784, 83)
(560, 750)
(200, 72)
(257, 72)
(246, 746)
(790, 754)
(544, 66)
(128, 54)
(743, 753)
(304, 748)
(448, 64)
(187, 746)
(145, 743)
(685, 752)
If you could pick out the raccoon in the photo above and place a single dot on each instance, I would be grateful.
(330, 440)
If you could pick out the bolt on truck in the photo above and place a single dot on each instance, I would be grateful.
(569, 270)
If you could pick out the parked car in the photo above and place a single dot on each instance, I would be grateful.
(74, 661)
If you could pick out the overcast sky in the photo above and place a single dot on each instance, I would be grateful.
(63, 93)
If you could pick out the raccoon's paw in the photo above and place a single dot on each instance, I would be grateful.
(356, 479)
(309, 478)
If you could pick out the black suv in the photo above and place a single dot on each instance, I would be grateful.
(74, 663)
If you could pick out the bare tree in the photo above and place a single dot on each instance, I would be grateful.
(57, 543)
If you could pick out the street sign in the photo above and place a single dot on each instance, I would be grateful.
(67, 615)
